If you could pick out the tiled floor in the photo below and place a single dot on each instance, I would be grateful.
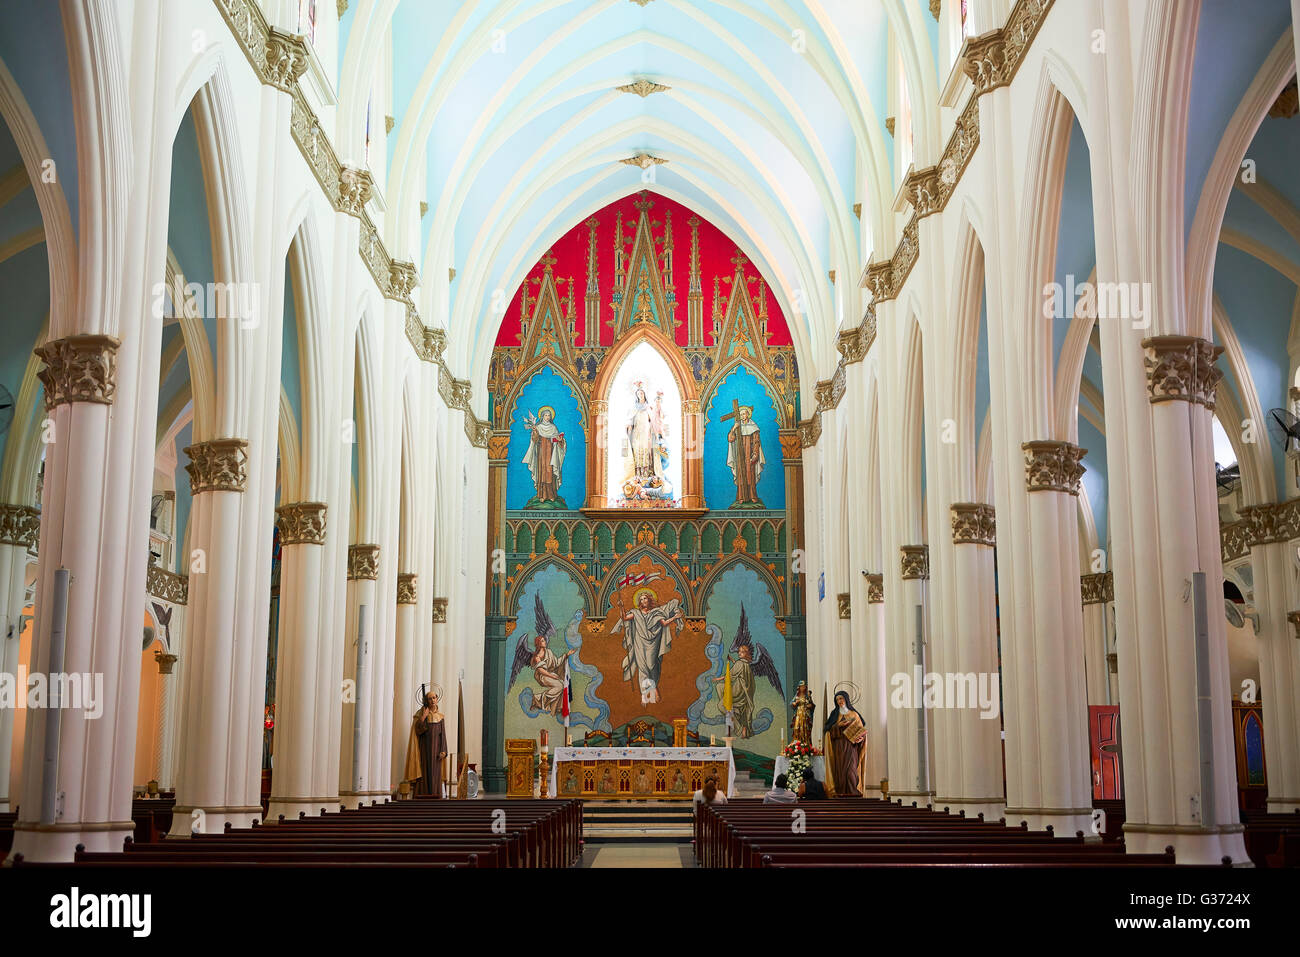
(638, 855)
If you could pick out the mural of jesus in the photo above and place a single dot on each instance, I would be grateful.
(647, 636)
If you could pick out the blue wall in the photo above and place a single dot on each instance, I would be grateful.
(547, 387)
(719, 486)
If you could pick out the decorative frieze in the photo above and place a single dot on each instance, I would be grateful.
(991, 60)
(810, 430)
(78, 369)
(219, 465)
(167, 586)
(1097, 588)
(915, 562)
(406, 588)
(301, 523)
(973, 524)
(355, 189)
(844, 604)
(854, 344)
(363, 562)
(1052, 466)
(1235, 539)
(20, 525)
(1272, 524)
(875, 589)
(440, 611)
(1182, 369)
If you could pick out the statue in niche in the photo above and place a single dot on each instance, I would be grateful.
(744, 455)
(545, 458)
(646, 452)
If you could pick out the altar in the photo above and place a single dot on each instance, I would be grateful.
(640, 774)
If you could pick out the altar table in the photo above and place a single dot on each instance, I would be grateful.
(644, 774)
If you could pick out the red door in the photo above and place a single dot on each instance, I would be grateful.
(1103, 729)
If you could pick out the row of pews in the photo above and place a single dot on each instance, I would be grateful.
(1273, 840)
(875, 833)
(418, 833)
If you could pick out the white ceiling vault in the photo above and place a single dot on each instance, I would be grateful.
(511, 126)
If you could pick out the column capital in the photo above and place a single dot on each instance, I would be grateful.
(1052, 466)
(875, 589)
(355, 189)
(1097, 588)
(20, 525)
(973, 524)
(80, 368)
(218, 465)
(1182, 369)
(363, 562)
(915, 562)
(439, 611)
(845, 605)
(286, 59)
(406, 588)
(301, 523)
(1293, 619)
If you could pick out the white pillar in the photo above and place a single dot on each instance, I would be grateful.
(1279, 658)
(20, 527)
(359, 669)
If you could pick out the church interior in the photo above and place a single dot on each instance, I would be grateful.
(619, 417)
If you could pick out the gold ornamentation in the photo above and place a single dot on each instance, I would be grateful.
(166, 661)
(935, 6)
(219, 465)
(992, 60)
(286, 59)
(875, 589)
(1235, 539)
(342, 8)
(355, 189)
(1272, 524)
(810, 430)
(1182, 369)
(791, 444)
(915, 562)
(20, 525)
(973, 524)
(389, 123)
(1097, 588)
(167, 586)
(738, 544)
(78, 369)
(1052, 466)
(643, 87)
(439, 611)
(499, 446)
(889, 124)
(643, 161)
(857, 210)
(402, 278)
(363, 562)
(301, 523)
(406, 588)
(641, 3)
(924, 191)
(844, 605)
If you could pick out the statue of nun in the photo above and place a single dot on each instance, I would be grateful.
(426, 747)
(845, 747)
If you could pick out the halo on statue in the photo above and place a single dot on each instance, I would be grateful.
(853, 691)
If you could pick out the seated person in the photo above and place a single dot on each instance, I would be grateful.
(780, 793)
(810, 789)
(709, 794)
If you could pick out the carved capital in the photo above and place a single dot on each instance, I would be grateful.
(20, 525)
(402, 278)
(984, 60)
(1182, 369)
(973, 524)
(875, 589)
(690, 407)
(810, 430)
(791, 444)
(286, 59)
(406, 588)
(301, 523)
(845, 605)
(498, 447)
(1097, 588)
(915, 561)
(880, 280)
(167, 586)
(1293, 618)
(924, 192)
(78, 369)
(439, 611)
(363, 562)
(355, 189)
(220, 465)
(600, 407)
(1052, 466)
(435, 341)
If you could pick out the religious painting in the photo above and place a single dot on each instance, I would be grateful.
(644, 464)
(548, 445)
(740, 432)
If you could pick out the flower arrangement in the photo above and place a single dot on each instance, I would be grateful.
(800, 755)
(798, 749)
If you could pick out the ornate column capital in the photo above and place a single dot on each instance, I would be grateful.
(1052, 466)
(167, 586)
(810, 430)
(924, 191)
(599, 406)
(78, 369)
(218, 465)
(402, 278)
(984, 61)
(973, 524)
(1097, 588)
(880, 280)
(355, 189)
(1182, 369)
(20, 525)
(690, 406)
(439, 611)
(406, 588)
(301, 523)
(915, 562)
(875, 589)
(363, 562)
(845, 605)
(286, 59)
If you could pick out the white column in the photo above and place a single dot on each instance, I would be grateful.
(406, 676)
(19, 530)
(1098, 592)
(363, 571)
(1279, 659)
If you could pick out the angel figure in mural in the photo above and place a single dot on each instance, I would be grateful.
(745, 456)
(545, 458)
(748, 662)
(647, 636)
(548, 668)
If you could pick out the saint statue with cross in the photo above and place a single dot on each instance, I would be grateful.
(744, 455)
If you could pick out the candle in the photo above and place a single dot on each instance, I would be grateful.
(712, 740)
